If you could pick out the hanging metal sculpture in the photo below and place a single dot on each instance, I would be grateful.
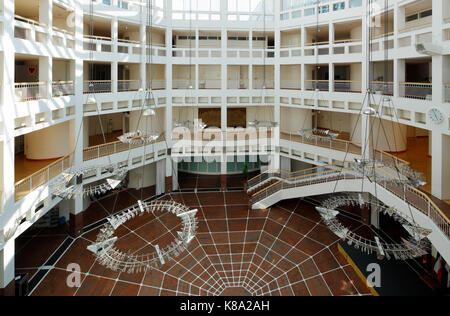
(415, 246)
(111, 257)
(70, 184)
(318, 133)
(139, 138)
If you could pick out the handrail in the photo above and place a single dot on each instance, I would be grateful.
(352, 143)
(350, 40)
(97, 37)
(29, 21)
(413, 27)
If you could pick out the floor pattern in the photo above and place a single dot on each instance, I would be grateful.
(282, 251)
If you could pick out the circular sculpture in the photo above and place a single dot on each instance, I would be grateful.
(116, 260)
(413, 247)
(139, 138)
(70, 185)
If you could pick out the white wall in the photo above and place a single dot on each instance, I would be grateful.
(142, 176)
(48, 143)
(294, 119)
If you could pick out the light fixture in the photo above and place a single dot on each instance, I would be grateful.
(139, 138)
(317, 133)
(369, 111)
(413, 247)
(111, 257)
(70, 184)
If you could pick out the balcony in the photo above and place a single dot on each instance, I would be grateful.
(291, 84)
(414, 90)
(384, 88)
(41, 177)
(128, 85)
(263, 84)
(29, 91)
(63, 88)
(320, 85)
(238, 84)
(183, 84)
(97, 86)
(353, 86)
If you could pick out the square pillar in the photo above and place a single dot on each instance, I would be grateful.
(7, 269)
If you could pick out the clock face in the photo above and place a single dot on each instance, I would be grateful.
(436, 116)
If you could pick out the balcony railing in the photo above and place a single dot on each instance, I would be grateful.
(263, 84)
(413, 90)
(237, 84)
(97, 86)
(41, 177)
(321, 85)
(28, 91)
(291, 84)
(63, 88)
(158, 84)
(104, 150)
(183, 83)
(347, 86)
(383, 87)
(447, 92)
(335, 144)
(209, 84)
(128, 85)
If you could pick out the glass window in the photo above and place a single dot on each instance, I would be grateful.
(354, 3)
(296, 14)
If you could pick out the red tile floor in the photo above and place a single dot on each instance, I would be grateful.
(282, 251)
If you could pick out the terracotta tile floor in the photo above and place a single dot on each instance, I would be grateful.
(282, 251)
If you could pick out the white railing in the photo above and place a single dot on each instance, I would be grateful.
(263, 84)
(97, 86)
(321, 85)
(28, 91)
(128, 85)
(158, 84)
(183, 84)
(291, 84)
(210, 83)
(41, 177)
(237, 84)
(413, 90)
(447, 92)
(347, 86)
(385, 88)
(63, 88)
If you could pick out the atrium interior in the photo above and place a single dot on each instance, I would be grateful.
(224, 147)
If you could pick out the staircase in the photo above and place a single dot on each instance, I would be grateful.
(272, 187)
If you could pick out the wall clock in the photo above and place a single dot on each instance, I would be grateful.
(436, 116)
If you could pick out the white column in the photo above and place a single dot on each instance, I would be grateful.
(46, 74)
(440, 173)
(8, 103)
(7, 112)
(78, 127)
(399, 75)
(7, 266)
(331, 76)
(143, 65)
(46, 12)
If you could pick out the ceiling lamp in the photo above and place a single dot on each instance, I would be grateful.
(317, 133)
(410, 248)
(369, 112)
(111, 257)
(138, 138)
(149, 112)
(70, 185)
(197, 124)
